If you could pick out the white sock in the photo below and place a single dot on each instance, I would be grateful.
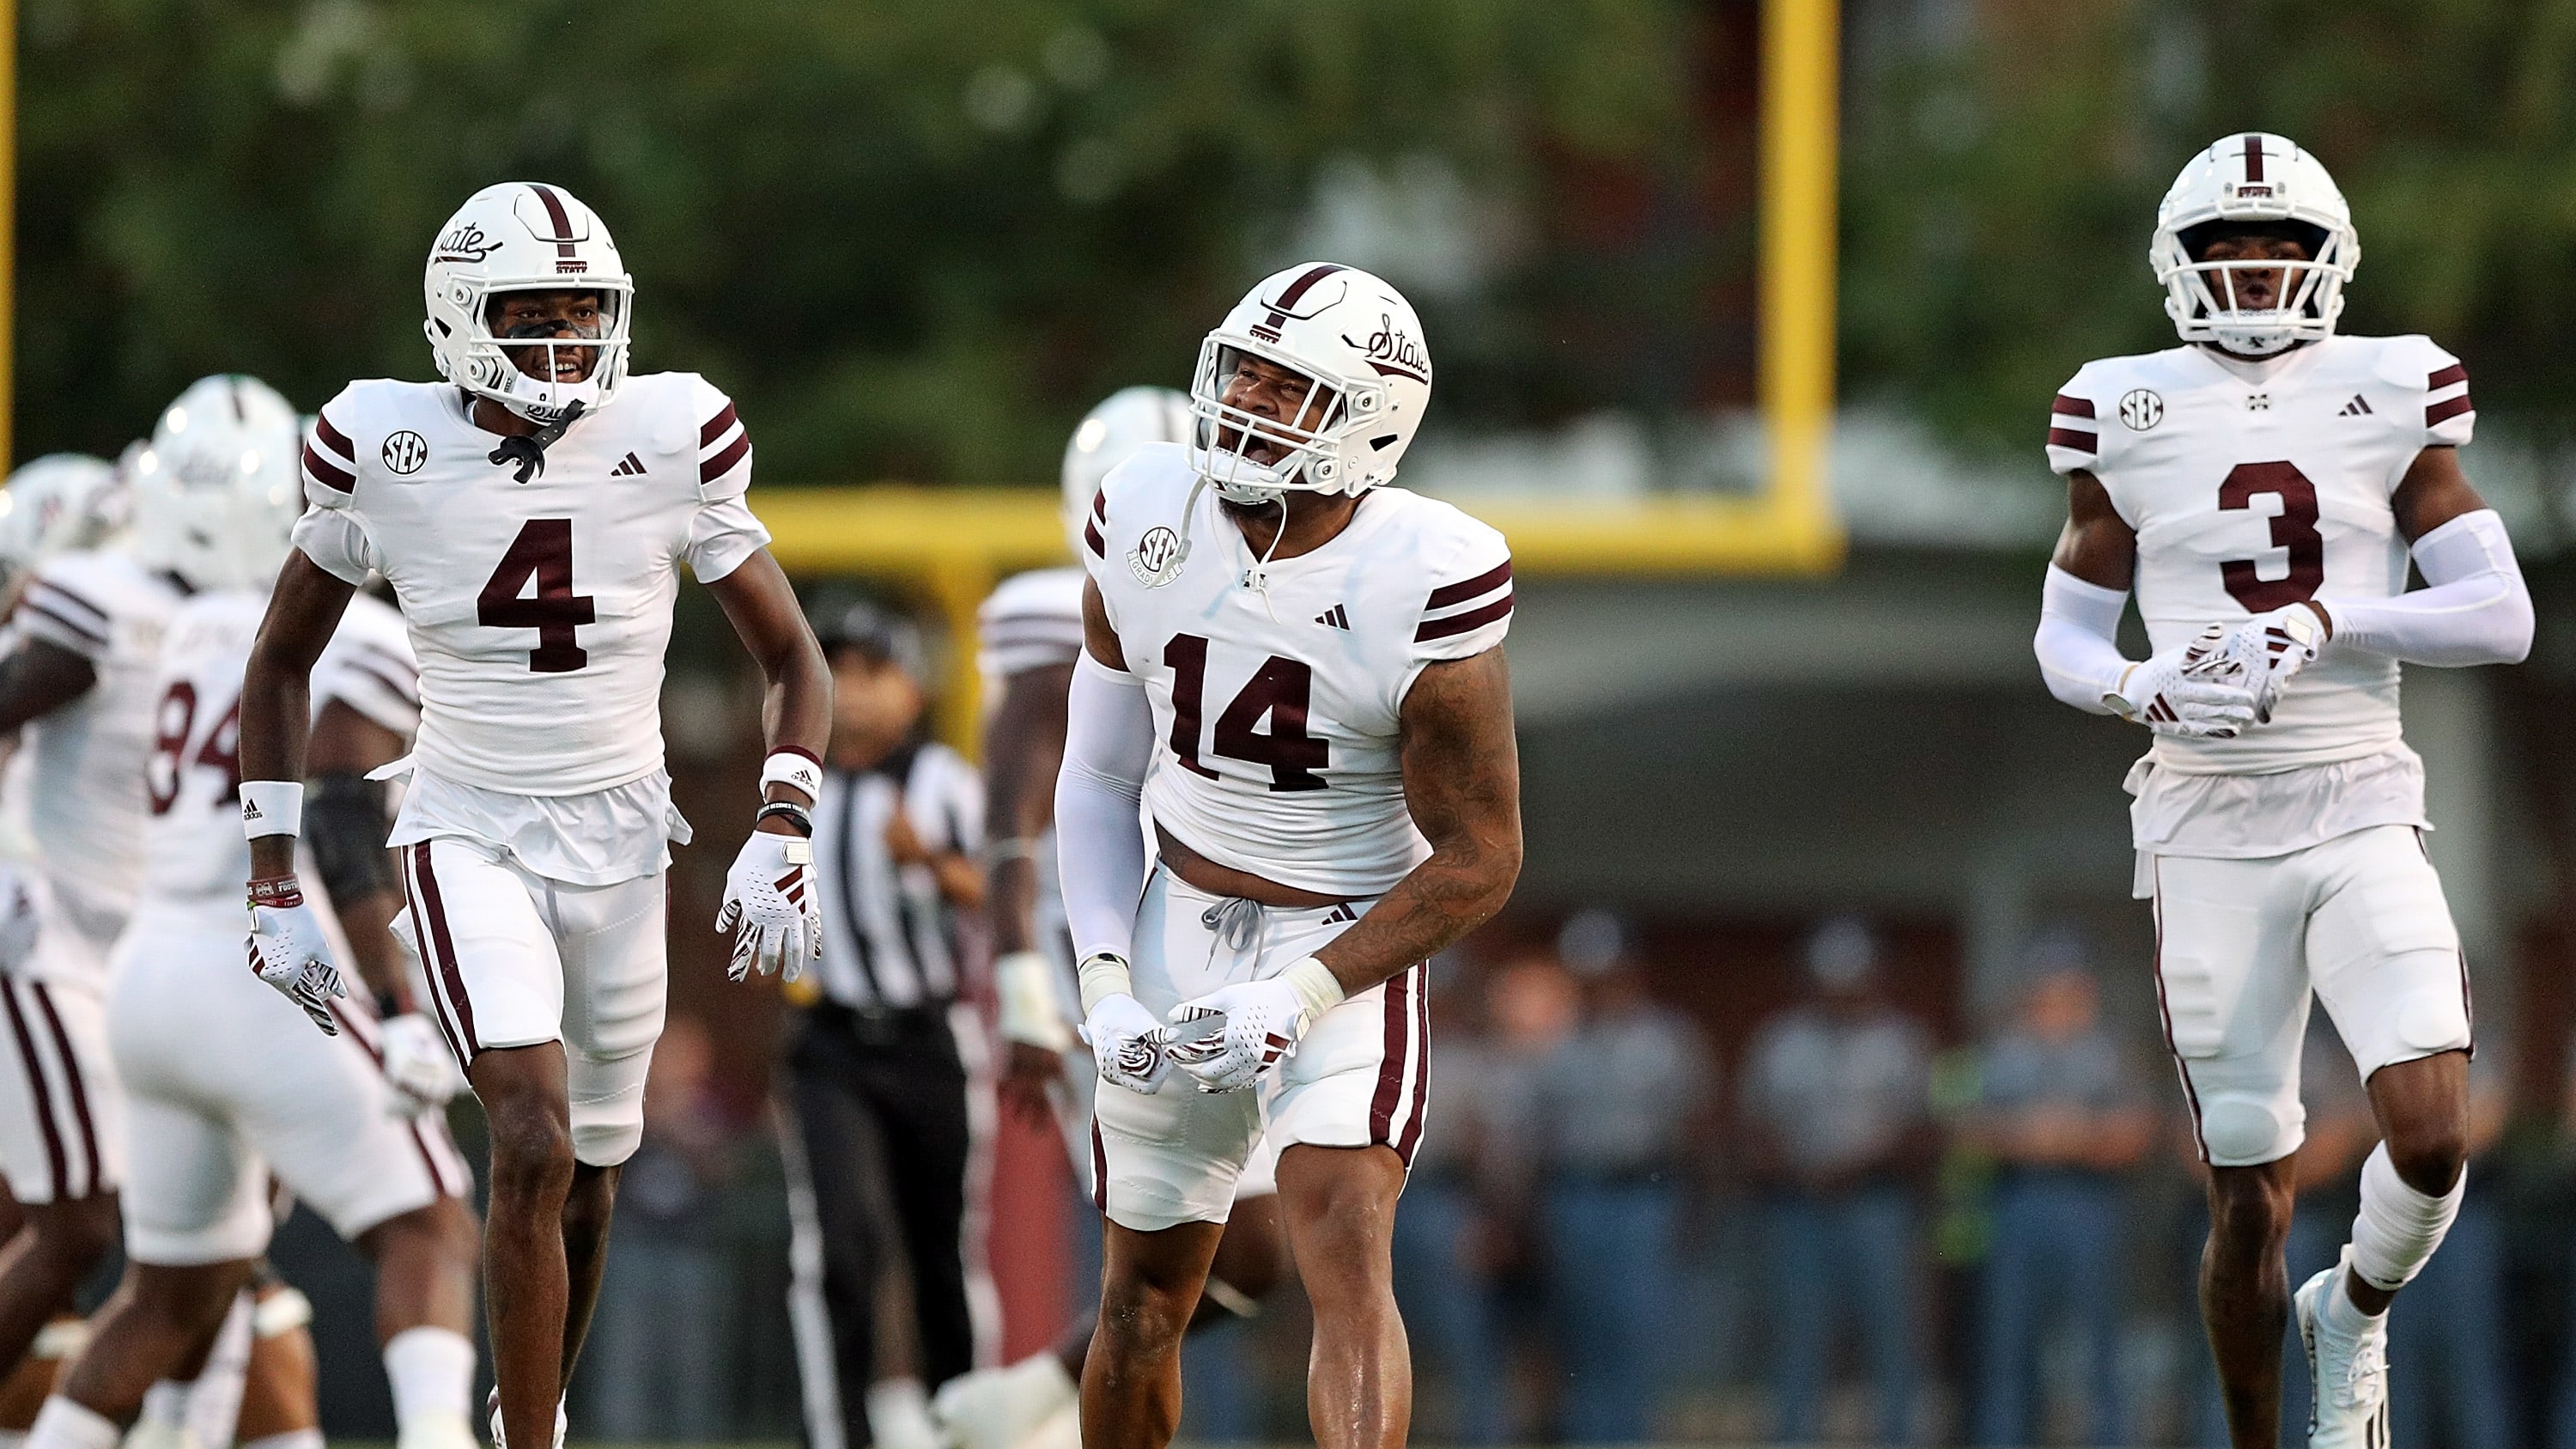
(66, 1424)
(432, 1373)
(291, 1439)
(2397, 1228)
(2342, 1316)
(1047, 1368)
(899, 1415)
(166, 1404)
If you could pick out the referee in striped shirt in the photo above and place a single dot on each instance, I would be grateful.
(881, 1137)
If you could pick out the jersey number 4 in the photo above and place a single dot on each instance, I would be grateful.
(1280, 688)
(2293, 528)
(542, 553)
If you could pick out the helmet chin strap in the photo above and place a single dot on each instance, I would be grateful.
(529, 450)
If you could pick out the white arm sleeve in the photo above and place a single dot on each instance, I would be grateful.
(2473, 608)
(2078, 642)
(1100, 838)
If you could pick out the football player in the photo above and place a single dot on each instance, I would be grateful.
(1031, 632)
(1310, 663)
(225, 1085)
(2262, 487)
(80, 679)
(532, 514)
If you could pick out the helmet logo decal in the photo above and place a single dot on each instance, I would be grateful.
(1393, 352)
(1284, 306)
(563, 237)
(405, 452)
(2254, 158)
(2141, 409)
(1156, 559)
(466, 243)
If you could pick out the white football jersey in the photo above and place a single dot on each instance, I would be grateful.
(539, 611)
(193, 848)
(2254, 485)
(1276, 708)
(85, 772)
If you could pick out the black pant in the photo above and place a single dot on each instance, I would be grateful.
(877, 1104)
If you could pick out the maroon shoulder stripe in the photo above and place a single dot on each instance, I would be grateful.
(332, 437)
(716, 427)
(43, 1094)
(74, 626)
(1471, 620)
(1100, 504)
(2447, 409)
(2444, 378)
(2073, 407)
(55, 593)
(1475, 588)
(2076, 438)
(1091, 536)
(79, 1091)
(723, 463)
(327, 473)
(2253, 156)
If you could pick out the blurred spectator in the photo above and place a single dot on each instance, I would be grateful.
(2061, 1112)
(2340, 1133)
(1837, 1103)
(2446, 1336)
(1615, 1115)
(657, 1366)
(1459, 1229)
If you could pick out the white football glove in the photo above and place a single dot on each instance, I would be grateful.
(19, 923)
(1228, 1038)
(289, 951)
(1128, 1043)
(2268, 651)
(2192, 690)
(771, 895)
(418, 1065)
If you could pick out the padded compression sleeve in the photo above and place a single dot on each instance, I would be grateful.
(345, 826)
(2078, 641)
(1100, 839)
(2473, 608)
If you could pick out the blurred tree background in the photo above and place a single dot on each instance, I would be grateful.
(915, 240)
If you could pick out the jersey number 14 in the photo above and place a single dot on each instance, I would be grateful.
(542, 554)
(1280, 688)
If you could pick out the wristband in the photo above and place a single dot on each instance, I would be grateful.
(277, 892)
(1103, 974)
(1315, 985)
(1024, 988)
(1018, 847)
(788, 765)
(272, 807)
(794, 814)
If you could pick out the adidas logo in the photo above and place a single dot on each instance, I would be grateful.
(2358, 407)
(1334, 618)
(1341, 913)
(630, 467)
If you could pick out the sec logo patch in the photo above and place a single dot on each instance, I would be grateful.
(405, 451)
(1156, 559)
(2141, 409)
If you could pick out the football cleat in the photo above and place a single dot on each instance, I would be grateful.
(2348, 1374)
(492, 1403)
(1003, 1408)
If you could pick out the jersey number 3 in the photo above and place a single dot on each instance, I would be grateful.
(542, 553)
(2293, 528)
(1280, 688)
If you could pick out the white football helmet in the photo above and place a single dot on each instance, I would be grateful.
(524, 236)
(2256, 179)
(216, 494)
(1126, 420)
(1359, 343)
(59, 502)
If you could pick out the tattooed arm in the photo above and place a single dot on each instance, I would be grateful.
(1462, 780)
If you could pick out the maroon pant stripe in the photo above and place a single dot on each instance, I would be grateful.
(352, 1027)
(1398, 1008)
(1415, 1113)
(2164, 1016)
(1099, 1168)
(457, 1001)
(43, 1094)
(79, 1089)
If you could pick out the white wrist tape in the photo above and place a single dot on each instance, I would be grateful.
(792, 767)
(272, 807)
(1316, 985)
(1103, 975)
(1030, 1011)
